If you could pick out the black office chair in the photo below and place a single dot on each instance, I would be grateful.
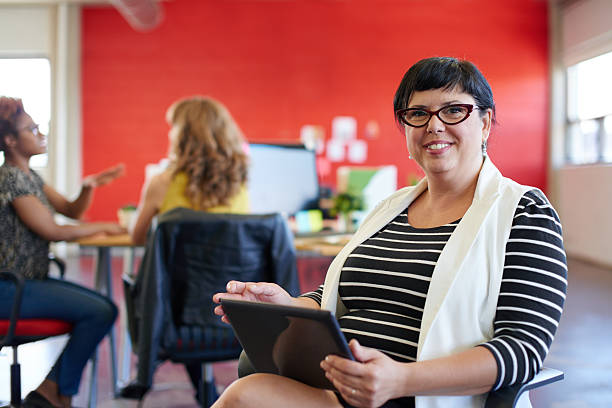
(15, 332)
(190, 256)
(59, 263)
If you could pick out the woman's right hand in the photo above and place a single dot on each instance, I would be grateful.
(254, 292)
(111, 228)
(114, 229)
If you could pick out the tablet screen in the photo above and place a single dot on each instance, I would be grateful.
(287, 340)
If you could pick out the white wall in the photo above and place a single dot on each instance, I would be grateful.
(585, 197)
(26, 31)
(582, 194)
(587, 30)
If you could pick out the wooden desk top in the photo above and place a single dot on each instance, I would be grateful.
(325, 245)
(123, 240)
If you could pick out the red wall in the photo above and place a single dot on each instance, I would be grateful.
(278, 65)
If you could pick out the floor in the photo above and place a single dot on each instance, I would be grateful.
(582, 348)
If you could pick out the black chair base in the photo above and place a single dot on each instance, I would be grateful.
(133, 390)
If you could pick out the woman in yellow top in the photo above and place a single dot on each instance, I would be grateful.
(207, 168)
(207, 171)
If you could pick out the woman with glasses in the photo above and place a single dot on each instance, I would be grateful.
(27, 225)
(449, 289)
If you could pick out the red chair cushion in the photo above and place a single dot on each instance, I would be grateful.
(37, 327)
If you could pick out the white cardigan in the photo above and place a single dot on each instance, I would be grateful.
(463, 293)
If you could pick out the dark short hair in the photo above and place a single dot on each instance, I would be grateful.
(446, 73)
(10, 110)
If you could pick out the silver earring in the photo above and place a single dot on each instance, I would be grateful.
(410, 156)
(484, 147)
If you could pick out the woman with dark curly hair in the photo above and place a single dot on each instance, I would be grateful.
(27, 225)
(207, 169)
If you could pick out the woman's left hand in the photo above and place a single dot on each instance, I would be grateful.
(368, 382)
(105, 176)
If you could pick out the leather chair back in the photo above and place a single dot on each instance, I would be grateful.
(190, 256)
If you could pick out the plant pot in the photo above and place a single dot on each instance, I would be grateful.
(346, 223)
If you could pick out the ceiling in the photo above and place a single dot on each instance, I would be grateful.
(47, 2)
(142, 15)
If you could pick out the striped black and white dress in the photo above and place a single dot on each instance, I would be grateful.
(384, 284)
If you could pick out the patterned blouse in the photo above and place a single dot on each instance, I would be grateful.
(21, 249)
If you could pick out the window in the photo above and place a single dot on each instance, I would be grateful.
(589, 111)
(30, 80)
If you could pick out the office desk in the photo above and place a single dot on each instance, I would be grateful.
(103, 284)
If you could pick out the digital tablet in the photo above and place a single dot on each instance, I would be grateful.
(287, 340)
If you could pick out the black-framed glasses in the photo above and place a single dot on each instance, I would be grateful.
(31, 128)
(451, 114)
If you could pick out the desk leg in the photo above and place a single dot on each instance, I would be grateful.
(104, 285)
(126, 347)
(93, 381)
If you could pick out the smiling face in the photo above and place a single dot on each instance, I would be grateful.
(447, 150)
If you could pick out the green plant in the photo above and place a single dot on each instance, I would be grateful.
(345, 203)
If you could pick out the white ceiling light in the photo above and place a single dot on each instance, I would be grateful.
(142, 15)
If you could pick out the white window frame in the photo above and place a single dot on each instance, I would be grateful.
(36, 96)
(588, 135)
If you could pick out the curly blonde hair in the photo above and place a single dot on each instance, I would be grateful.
(10, 110)
(207, 145)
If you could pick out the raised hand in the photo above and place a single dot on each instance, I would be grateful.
(105, 176)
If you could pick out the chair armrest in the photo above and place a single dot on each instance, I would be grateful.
(19, 282)
(508, 396)
(59, 262)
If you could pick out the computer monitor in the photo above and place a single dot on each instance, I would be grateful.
(282, 178)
